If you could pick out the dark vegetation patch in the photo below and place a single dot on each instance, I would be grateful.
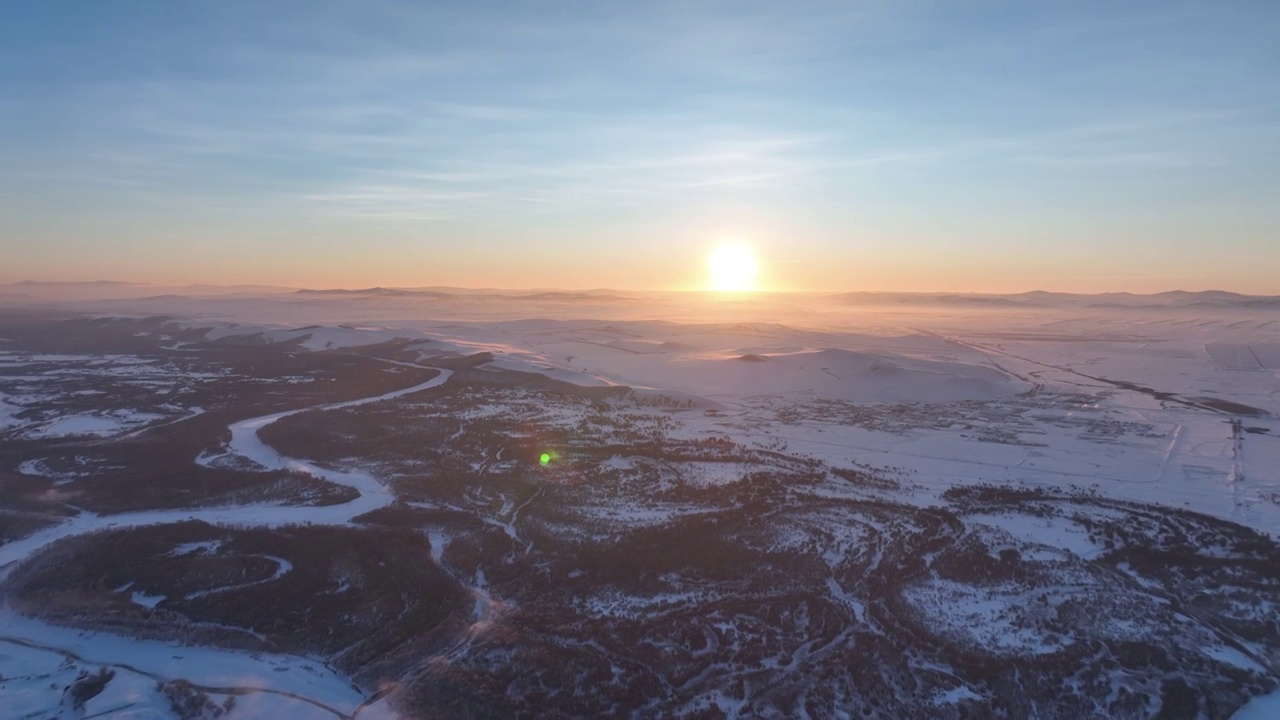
(776, 591)
(27, 505)
(155, 468)
(16, 527)
(399, 515)
(628, 583)
(191, 703)
(368, 599)
(1230, 406)
(88, 686)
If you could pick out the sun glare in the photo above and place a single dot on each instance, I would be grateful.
(732, 267)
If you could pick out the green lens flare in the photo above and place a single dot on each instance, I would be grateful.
(546, 458)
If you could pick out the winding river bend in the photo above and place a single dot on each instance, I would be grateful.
(245, 443)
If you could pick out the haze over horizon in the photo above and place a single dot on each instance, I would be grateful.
(984, 147)
(145, 286)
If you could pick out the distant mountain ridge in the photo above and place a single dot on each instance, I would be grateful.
(548, 296)
(378, 291)
(27, 291)
(77, 283)
(1045, 299)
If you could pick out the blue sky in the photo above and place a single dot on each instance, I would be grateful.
(984, 146)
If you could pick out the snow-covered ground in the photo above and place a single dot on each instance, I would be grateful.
(1266, 707)
(35, 656)
(1068, 396)
(51, 657)
(1126, 402)
(61, 395)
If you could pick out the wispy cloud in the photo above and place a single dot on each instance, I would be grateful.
(416, 112)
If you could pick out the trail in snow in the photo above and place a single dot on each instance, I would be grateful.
(283, 567)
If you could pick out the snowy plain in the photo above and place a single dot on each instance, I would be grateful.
(1173, 405)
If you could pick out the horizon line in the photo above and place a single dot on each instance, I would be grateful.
(601, 290)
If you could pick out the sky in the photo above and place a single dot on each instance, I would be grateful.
(856, 145)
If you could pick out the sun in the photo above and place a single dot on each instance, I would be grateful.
(732, 267)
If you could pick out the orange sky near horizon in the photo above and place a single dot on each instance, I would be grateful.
(679, 271)
(856, 146)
